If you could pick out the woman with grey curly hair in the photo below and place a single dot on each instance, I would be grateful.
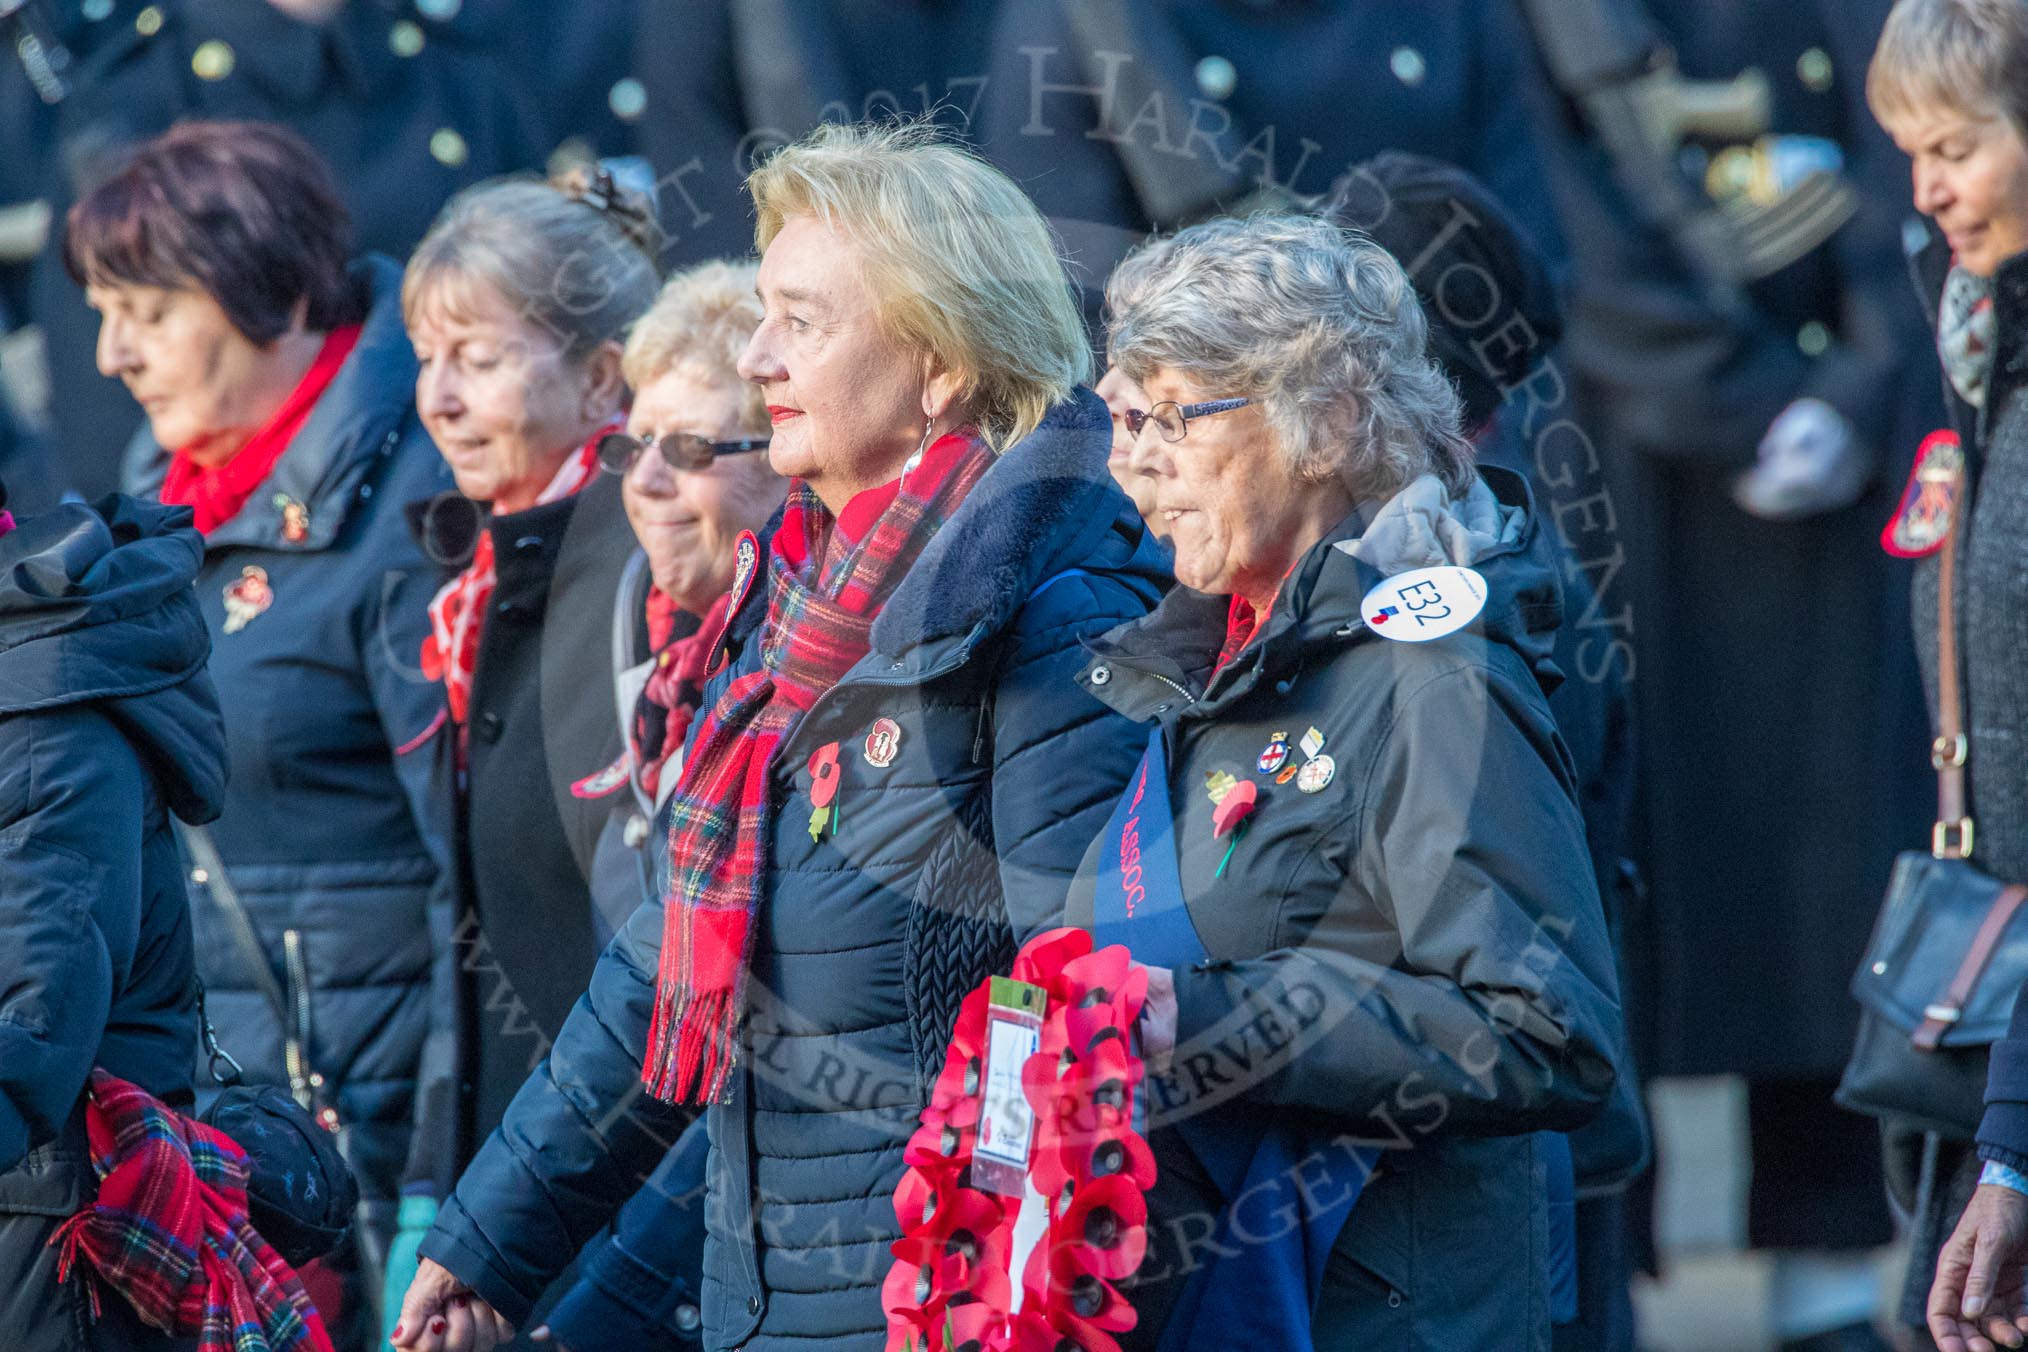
(1380, 981)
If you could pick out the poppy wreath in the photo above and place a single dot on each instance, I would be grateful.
(950, 1289)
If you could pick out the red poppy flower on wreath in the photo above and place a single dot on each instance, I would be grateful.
(951, 1288)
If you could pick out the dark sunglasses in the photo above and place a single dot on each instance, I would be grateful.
(1172, 419)
(679, 450)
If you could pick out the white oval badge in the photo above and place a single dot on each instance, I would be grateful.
(1425, 603)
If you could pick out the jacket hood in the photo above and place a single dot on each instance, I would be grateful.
(96, 606)
(356, 420)
(1042, 507)
(1493, 530)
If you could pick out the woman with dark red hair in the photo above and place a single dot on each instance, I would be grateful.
(279, 388)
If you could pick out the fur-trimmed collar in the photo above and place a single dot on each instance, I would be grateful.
(1042, 507)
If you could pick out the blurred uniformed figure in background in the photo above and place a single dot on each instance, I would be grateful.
(1116, 116)
(1748, 344)
(407, 108)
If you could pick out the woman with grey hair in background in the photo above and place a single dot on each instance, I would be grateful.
(517, 303)
(1381, 983)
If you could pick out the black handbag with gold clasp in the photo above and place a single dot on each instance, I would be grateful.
(1949, 951)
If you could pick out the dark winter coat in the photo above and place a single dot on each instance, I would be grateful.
(1777, 702)
(528, 826)
(108, 724)
(1992, 627)
(1424, 929)
(327, 830)
(866, 941)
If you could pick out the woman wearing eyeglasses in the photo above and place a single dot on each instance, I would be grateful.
(1381, 982)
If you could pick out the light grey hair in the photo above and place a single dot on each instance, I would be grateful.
(1317, 324)
(1963, 56)
(569, 262)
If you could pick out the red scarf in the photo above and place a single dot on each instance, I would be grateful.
(217, 494)
(458, 612)
(169, 1231)
(668, 702)
(826, 586)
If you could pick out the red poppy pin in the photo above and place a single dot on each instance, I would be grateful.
(247, 597)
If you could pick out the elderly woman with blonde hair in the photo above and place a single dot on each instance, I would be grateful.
(1379, 969)
(892, 778)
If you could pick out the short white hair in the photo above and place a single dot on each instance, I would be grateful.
(1317, 324)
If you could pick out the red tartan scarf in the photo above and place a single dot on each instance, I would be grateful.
(169, 1231)
(668, 702)
(458, 612)
(216, 495)
(826, 585)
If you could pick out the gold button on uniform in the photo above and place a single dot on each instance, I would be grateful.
(449, 148)
(149, 21)
(628, 99)
(1813, 68)
(1813, 338)
(212, 60)
(1216, 77)
(1408, 66)
(405, 38)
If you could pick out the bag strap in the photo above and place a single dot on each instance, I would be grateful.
(1938, 1018)
(1949, 752)
(210, 871)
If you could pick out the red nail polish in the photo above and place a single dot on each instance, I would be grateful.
(438, 1326)
(396, 1336)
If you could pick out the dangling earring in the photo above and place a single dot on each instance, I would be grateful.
(928, 427)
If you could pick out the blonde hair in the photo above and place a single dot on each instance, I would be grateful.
(704, 317)
(569, 257)
(1967, 56)
(963, 265)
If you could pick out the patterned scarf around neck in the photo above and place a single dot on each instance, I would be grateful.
(169, 1231)
(458, 612)
(824, 592)
(1965, 330)
(675, 687)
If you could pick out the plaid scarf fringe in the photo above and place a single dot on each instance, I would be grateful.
(169, 1232)
(819, 623)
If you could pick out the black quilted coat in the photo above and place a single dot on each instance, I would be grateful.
(866, 940)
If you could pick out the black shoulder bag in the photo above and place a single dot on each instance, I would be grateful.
(1949, 951)
(302, 1196)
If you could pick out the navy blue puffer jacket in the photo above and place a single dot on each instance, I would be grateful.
(327, 831)
(868, 938)
(108, 724)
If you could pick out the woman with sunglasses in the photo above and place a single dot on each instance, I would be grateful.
(517, 302)
(1380, 978)
(694, 475)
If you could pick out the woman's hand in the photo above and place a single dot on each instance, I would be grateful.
(1158, 1020)
(441, 1314)
(1977, 1302)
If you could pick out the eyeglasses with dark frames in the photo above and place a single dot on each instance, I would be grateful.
(679, 450)
(1172, 419)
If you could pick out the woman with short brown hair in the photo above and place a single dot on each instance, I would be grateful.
(278, 386)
